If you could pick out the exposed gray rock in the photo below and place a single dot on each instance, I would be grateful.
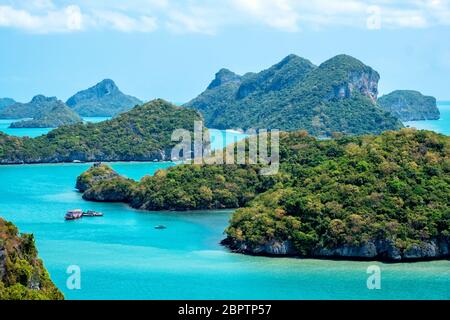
(152, 155)
(384, 250)
(410, 105)
(364, 82)
(2, 263)
(224, 76)
(368, 250)
(111, 195)
(273, 248)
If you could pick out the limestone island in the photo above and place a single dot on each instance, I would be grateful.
(410, 105)
(368, 197)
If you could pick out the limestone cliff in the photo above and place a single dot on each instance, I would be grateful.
(410, 105)
(22, 274)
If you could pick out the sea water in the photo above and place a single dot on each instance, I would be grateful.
(123, 256)
(441, 126)
(35, 132)
(21, 132)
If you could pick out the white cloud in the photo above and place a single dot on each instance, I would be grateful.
(404, 18)
(279, 14)
(64, 20)
(74, 18)
(194, 19)
(124, 23)
(209, 17)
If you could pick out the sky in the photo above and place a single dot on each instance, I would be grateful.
(171, 49)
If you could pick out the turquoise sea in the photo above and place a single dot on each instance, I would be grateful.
(35, 132)
(122, 255)
(442, 125)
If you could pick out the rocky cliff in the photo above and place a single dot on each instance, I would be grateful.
(22, 273)
(338, 96)
(410, 105)
(382, 250)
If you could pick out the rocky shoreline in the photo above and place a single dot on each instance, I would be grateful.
(381, 250)
(23, 275)
(161, 155)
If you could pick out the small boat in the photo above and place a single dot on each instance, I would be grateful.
(74, 214)
(160, 227)
(91, 213)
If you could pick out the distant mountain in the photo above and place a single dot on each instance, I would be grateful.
(102, 100)
(35, 108)
(141, 134)
(410, 105)
(338, 96)
(6, 102)
(59, 115)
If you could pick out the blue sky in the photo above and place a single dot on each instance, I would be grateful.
(172, 49)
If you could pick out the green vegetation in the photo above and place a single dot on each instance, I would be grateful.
(6, 102)
(352, 191)
(58, 116)
(144, 133)
(391, 190)
(22, 274)
(36, 108)
(338, 96)
(410, 105)
(184, 187)
(102, 100)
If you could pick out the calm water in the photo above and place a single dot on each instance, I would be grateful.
(442, 125)
(21, 132)
(35, 132)
(122, 256)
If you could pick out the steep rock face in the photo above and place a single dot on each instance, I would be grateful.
(22, 273)
(103, 99)
(373, 250)
(365, 83)
(272, 248)
(37, 107)
(224, 76)
(410, 105)
(338, 96)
